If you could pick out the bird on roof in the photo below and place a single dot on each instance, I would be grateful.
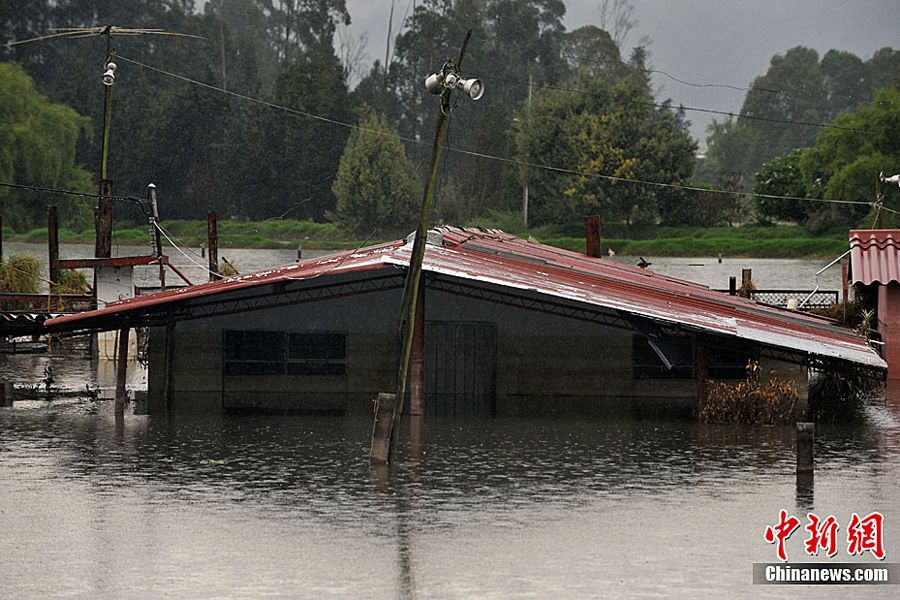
(643, 264)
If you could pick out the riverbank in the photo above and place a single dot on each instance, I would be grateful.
(750, 241)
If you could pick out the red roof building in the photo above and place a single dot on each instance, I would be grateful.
(556, 327)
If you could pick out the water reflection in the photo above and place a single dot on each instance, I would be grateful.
(252, 506)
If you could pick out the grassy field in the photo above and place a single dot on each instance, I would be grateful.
(748, 241)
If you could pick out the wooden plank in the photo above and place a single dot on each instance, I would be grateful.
(385, 405)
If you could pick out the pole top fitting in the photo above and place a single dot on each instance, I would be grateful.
(151, 185)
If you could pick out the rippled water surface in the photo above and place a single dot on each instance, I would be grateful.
(288, 507)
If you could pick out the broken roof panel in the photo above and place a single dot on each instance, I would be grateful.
(497, 259)
(875, 256)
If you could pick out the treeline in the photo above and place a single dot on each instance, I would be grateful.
(568, 115)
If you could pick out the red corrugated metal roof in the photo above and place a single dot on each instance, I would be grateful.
(875, 256)
(499, 259)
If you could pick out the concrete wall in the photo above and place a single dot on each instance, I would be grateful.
(544, 363)
(889, 326)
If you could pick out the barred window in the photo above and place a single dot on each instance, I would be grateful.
(277, 353)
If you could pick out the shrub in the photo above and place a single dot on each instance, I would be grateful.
(750, 401)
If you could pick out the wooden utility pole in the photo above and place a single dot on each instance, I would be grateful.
(121, 370)
(212, 238)
(382, 448)
(53, 249)
(157, 235)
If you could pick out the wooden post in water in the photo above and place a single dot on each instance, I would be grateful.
(6, 393)
(417, 375)
(121, 370)
(746, 290)
(592, 235)
(212, 239)
(805, 439)
(385, 407)
(732, 285)
(53, 249)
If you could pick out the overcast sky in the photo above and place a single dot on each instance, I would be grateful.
(708, 41)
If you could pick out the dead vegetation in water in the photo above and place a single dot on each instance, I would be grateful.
(751, 401)
(839, 392)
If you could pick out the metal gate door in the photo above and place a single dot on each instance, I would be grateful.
(460, 369)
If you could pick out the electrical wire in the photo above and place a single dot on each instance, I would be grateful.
(60, 192)
(294, 111)
(667, 106)
(174, 245)
(507, 160)
(738, 88)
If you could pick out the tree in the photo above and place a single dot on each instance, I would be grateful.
(782, 177)
(376, 185)
(37, 147)
(608, 132)
(844, 165)
(797, 87)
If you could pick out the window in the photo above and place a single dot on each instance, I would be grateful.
(317, 354)
(277, 353)
(254, 353)
(646, 364)
(721, 363)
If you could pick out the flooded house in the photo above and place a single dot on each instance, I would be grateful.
(511, 327)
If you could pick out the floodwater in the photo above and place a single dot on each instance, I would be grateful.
(92, 506)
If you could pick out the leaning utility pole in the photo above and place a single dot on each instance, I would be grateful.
(389, 408)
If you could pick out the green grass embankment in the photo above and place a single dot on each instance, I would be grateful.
(748, 241)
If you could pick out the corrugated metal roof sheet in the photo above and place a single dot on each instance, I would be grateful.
(875, 256)
(498, 259)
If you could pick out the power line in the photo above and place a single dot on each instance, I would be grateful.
(60, 192)
(294, 111)
(791, 93)
(668, 106)
(174, 245)
(491, 157)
